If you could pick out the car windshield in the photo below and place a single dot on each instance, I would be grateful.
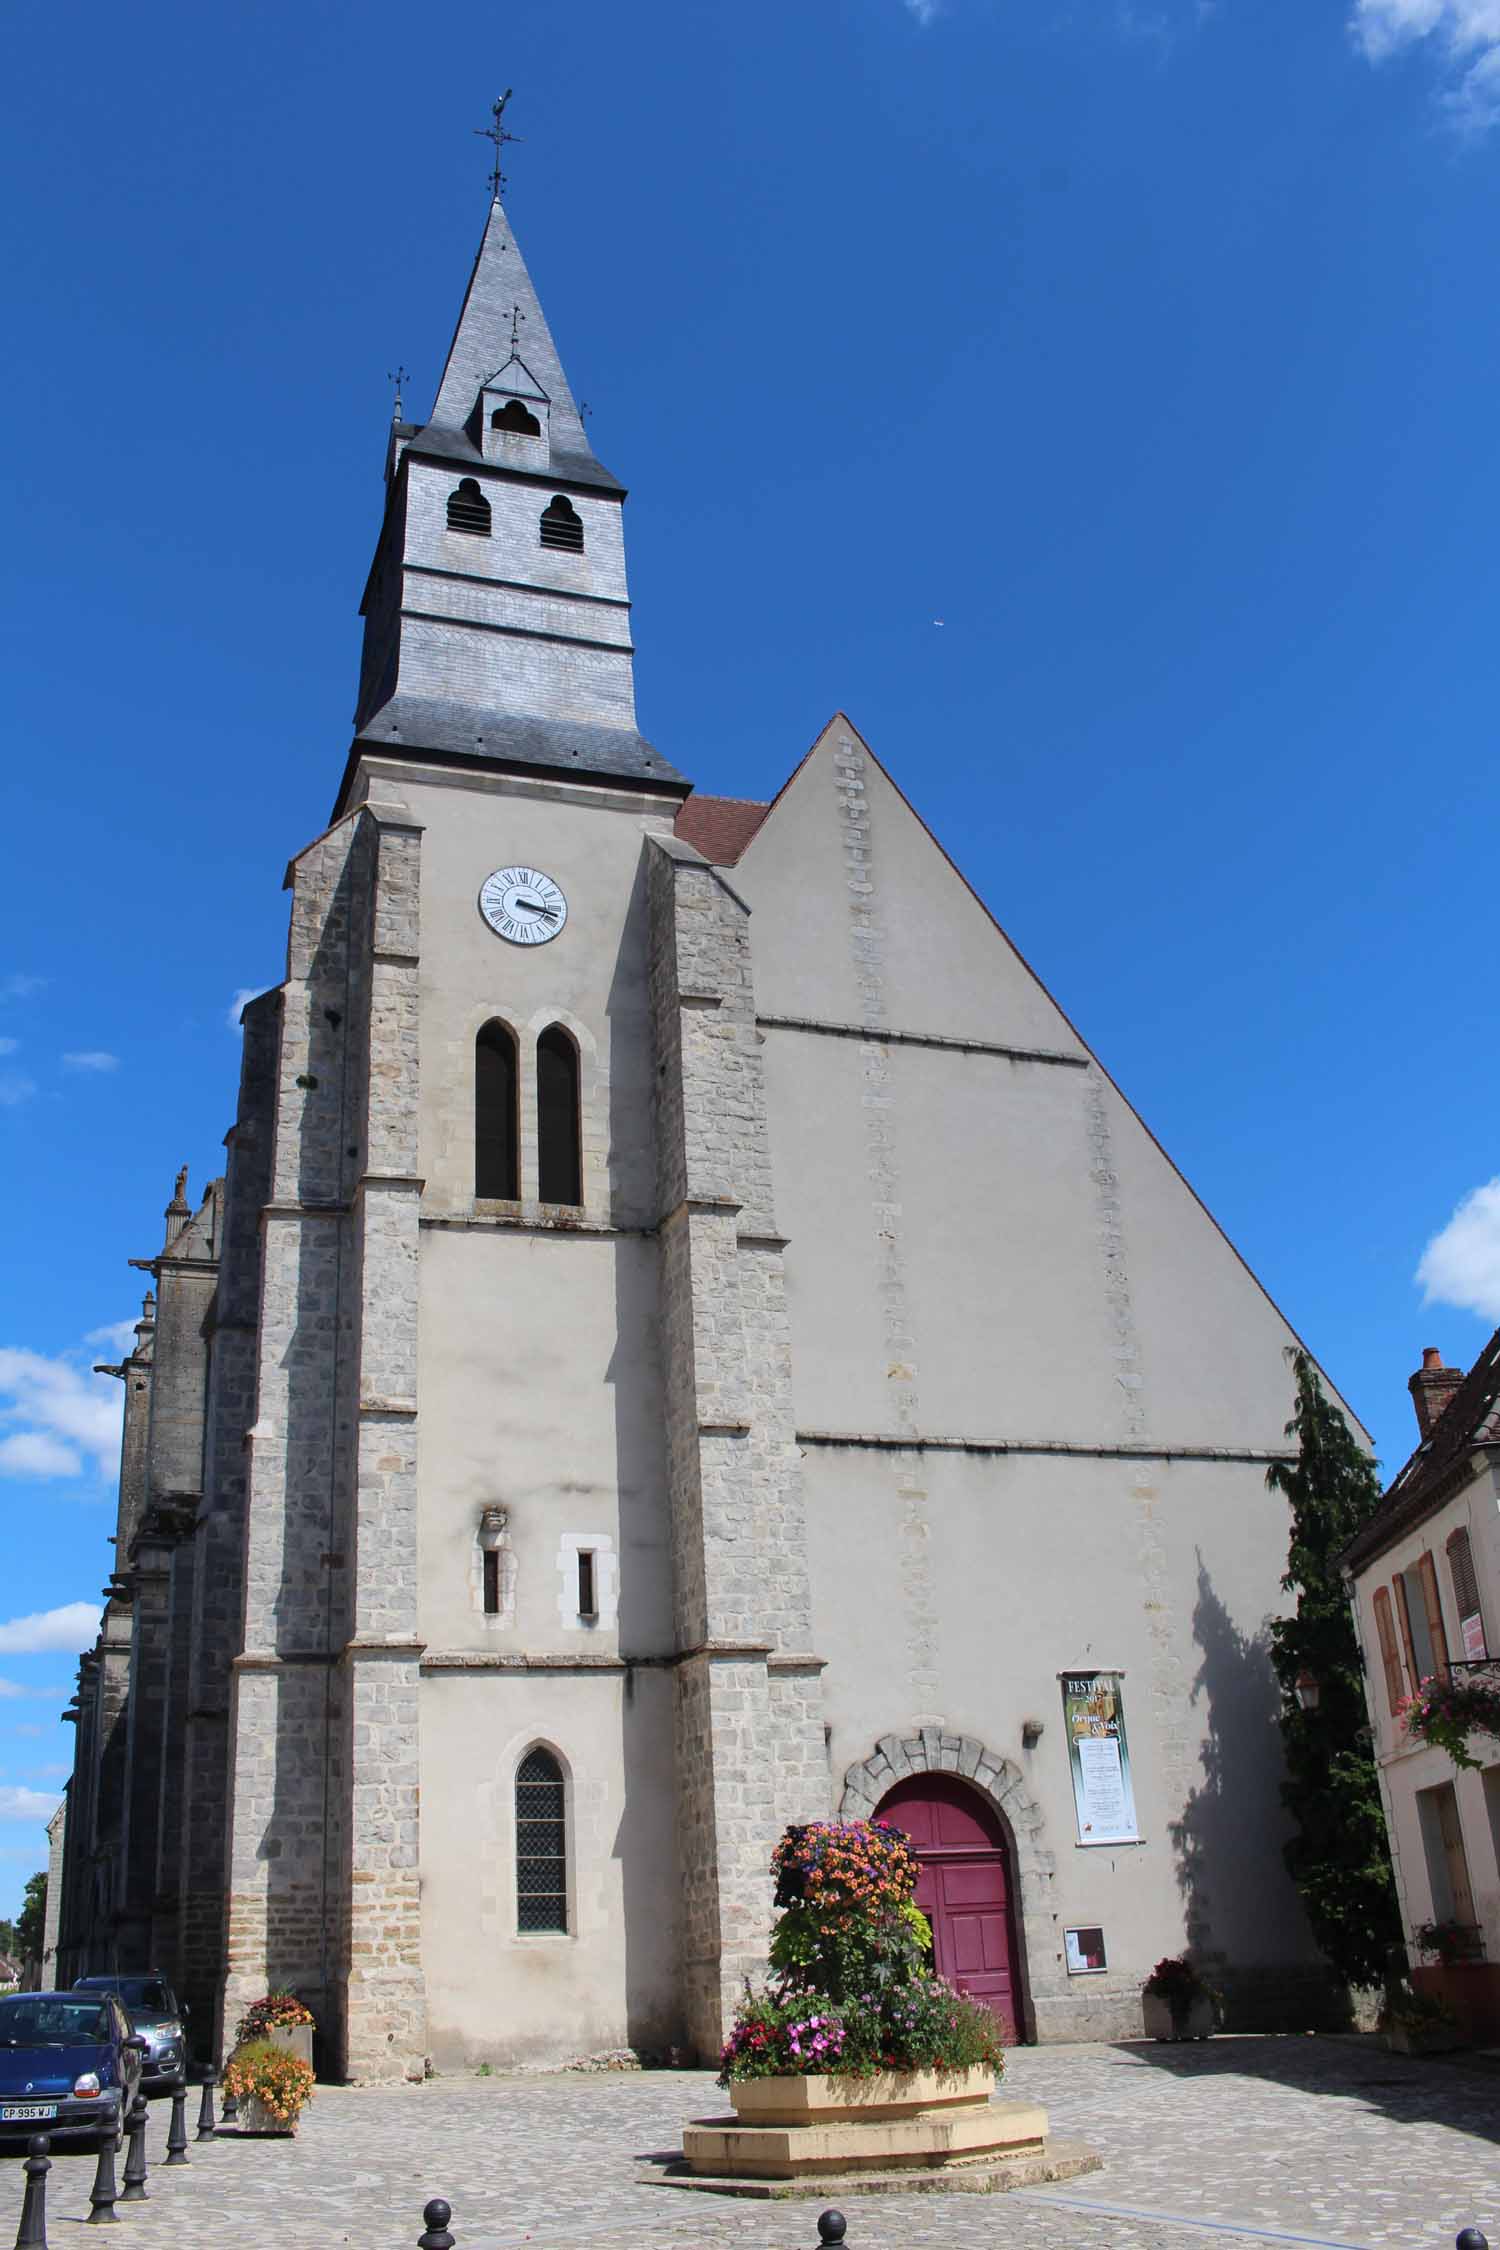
(147, 1995)
(48, 2021)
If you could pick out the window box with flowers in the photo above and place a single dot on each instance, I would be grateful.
(856, 2055)
(1176, 2003)
(1450, 1706)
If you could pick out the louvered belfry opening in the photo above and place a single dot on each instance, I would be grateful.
(468, 509)
(514, 416)
(541, 1844)
(496, 1137)
(559, 1154)
(562, 526)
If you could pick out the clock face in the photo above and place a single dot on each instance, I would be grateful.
(523, 905)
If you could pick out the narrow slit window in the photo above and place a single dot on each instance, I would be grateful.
(496, 1138)
(559, 1148)
(468, 509)
(587, 1606)
(541, 1844)
(562, 526)
(491, 1582)
(514, 416)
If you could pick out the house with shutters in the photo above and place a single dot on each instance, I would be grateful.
(1424, 1576)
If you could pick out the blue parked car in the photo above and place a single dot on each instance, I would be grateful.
(69, 2065)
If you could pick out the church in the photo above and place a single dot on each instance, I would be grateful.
(687, 1338)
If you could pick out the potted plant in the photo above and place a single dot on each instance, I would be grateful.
(1448, 1707)
(1175, 2001)
(281, 2018)
(1449, 1941)
(271, 2085)
(1418, 2023)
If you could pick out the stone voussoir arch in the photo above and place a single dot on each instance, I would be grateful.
(1001, 1782)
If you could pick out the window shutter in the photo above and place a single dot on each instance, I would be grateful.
(1466, 1595)
(1389, 1656)
(1413, 1679)
(1432, 1603)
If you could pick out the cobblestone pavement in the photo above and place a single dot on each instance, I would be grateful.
(1320, 2142)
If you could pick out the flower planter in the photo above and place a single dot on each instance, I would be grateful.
(297, 2038)
(816, 2100)
(1192, 2019)
(254, 2117)
(1422, 2038)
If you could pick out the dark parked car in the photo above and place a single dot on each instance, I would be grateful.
(152, 2007)
(69, 2065)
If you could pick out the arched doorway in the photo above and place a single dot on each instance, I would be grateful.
(965, 1889)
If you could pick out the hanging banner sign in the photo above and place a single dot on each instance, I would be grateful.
(1094, 1717)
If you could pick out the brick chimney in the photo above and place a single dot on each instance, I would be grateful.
(1432, 1387)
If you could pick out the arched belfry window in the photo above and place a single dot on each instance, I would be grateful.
(496, 1138)
(562, 526)
(559, 1149)
(541, 1844)
(514, 416)
(468, 509)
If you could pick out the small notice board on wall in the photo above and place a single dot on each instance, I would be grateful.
(1099, 1757)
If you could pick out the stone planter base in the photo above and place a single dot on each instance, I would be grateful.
(255, 2119)
(824, 2128)
(1195, 2021)
(297, 2038)
(1422, 2039)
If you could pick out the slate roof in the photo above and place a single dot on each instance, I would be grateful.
(1440, 1464)
(720, 827)
(461, 731)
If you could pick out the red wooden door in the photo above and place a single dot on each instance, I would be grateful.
(964, 1888)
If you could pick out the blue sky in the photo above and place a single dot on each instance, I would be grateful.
(1093, 397)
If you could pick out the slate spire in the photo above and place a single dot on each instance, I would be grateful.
(501, 300)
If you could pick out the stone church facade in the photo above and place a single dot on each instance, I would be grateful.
(687, 1338)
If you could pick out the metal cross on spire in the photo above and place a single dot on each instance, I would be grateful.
(497, 134)
(516, 318)
(398, 376)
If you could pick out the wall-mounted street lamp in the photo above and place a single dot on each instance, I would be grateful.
(1306, 1689)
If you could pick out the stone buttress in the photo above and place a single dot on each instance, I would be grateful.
(322, 1874)
(749, 1742)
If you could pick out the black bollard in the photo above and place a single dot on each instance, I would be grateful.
(135, 2155)
(177, 2130)
(102, 2193)
(832, 2227)
(206, 2126)
(437, 2213)
(1470, 2239)
(231, 2107)
(32, 2232)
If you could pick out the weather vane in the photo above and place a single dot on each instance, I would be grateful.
(499, 136)
(398, 376)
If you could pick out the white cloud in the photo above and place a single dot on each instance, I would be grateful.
(923, 10)
(54, 1400)
(65, 1632)
(32, 1453)
(15, 1088)
(91, 1058)
(1465, 35)
(27, 1804)
(19, 986)
(9, 1046)
(1461, 1264)
(118, 1335)
(244, 994)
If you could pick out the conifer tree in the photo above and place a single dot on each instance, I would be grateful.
(1339, 1857)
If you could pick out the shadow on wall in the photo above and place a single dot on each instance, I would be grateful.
(1245, 1923)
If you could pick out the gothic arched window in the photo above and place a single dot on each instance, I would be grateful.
(514, 416)
(541, 1844)
(562, 526)
(559, 1148)
(496, 1171)
(468, 509)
